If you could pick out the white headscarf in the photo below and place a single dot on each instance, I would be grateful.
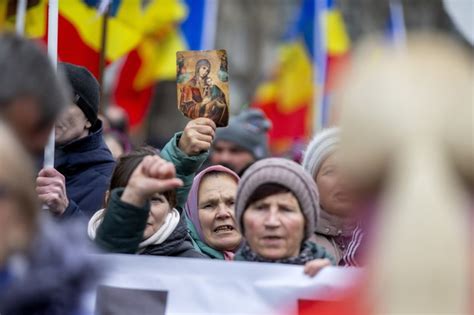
(171, 221)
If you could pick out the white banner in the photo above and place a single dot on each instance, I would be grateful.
(163, 285)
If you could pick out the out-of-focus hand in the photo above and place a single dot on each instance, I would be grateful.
(311, 268)
(51, 190)
(197, 136)
(153, 175)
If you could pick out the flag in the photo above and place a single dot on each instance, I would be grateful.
(299, 88)
(395, 31)
(153, 59)
(335, 48)
(35, 18)
(199, 28)
(170, 26)
(286, 97)
(80, 31)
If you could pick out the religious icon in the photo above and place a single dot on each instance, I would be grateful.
(203, 85)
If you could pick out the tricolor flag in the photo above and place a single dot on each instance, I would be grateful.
(296, 97)
(80, 31)
(335, 53)
(153, 59)
(176, 25)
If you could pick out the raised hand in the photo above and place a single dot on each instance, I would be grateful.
(153, 175)
(197, 136)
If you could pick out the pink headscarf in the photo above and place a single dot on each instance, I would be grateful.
(192, 204)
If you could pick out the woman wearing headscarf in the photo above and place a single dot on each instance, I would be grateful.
(277, 207)
(336, 221)
(210, 212)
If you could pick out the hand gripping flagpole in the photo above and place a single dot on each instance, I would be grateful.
(53, 54)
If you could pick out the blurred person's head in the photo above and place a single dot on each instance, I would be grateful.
(276, 208)
(80, 116)
(242, 142)
(31, 93)
(210, 208)
(18, 201)
(117, 143)
(118, 118)
(416, 151)
(321, 160)
(160, 204)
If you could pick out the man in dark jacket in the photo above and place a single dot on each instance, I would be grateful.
(242, 142)
(83, 163)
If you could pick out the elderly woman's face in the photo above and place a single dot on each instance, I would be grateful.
(274, 226)
(216, 200)
(333, 193)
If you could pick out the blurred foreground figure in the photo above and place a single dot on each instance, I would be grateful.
(407, 150)
(31, 95)
(407, 144)
(43, 270)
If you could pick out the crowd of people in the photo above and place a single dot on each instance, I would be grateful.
(209, 193)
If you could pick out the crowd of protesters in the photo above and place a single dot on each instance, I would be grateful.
(209, 193)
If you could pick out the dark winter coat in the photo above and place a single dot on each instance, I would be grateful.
(87, 165)
(114, 236)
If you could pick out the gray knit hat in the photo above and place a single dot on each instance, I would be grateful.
(288, 174)
(249, 131)
(319, 148)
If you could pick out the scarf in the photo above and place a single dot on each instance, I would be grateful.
(309, 251)
(171, 222)
(201, 246)
(336, 228)
(178, 242)
(332, 225)
(192, 213)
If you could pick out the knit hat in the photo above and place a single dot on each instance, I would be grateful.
(249, 131)
(86, 90)
(288, 174)
(320, 147)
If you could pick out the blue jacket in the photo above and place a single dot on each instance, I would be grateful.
(54, 277)
(87, 165)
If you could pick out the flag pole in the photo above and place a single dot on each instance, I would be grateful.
(53, 54)
(102, 56)
(398, 23)
(319, 65)
(208, 39)
(20, 17)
